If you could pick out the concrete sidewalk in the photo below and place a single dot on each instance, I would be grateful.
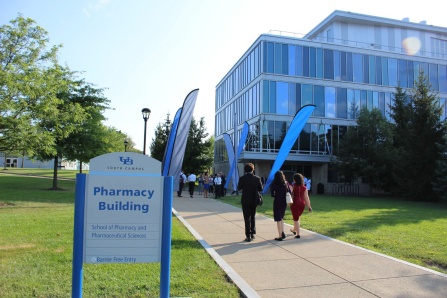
(312, 266)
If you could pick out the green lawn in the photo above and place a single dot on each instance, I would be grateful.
(412, 231)
(36, 247)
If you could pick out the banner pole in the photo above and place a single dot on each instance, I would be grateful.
(78, 236)
(165, 266)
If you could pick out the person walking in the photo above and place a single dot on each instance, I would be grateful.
(300, 200)
(191, 183)
(182, 180)
(217, 186)
(223, 190)
(206, 184)
(200, 178)
(211, 182)
(279, 188)
(251, 186)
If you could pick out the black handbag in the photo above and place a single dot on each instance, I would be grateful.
(260, 200)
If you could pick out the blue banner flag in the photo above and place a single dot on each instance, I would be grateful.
(181, 137)
(292, 134)
(166, 163)
(244, 135)
(230, 150)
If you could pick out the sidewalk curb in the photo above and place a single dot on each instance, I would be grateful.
(243, 286)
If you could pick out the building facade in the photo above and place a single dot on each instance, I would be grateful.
(347, 62)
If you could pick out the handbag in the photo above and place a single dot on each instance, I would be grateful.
(260, 200)
(289, 200)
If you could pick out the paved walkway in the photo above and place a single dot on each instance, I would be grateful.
(313, 266)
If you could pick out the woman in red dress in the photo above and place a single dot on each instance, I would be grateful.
(300, 200)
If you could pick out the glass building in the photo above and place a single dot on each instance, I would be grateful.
(347, 62)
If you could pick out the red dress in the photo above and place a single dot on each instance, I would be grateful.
(299, 203)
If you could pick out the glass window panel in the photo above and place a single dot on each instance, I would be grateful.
(298, 96)
(363, 99)
(285, 59)
(321, 139)
(379, 70)
(272, 97)
(312, 62)
(319, 63)
(305, 61)
(292, 61)
(314, 138)
(328, 139)
(410, 73)
(282, 98)
(306, 94)
(278, 61)
(299, 61)
(442, 69)
(402, 71)
(434, 77)
(349, 67)
(329, 64)
(337, 74)
(382, 103)
(372, 69)
(305, 139)
(329, 99)
(280, 133)
(292, 99)
(265, 96)
(385, 80)
(319, 101)
(267, 135)
(388, 105)
(392, 72)
(369, 100)
(353, 98)
(343, 65)
(424, 68)
(365, 69)
(342, 106)
(358, 69)
(375, 99)
(270, 57)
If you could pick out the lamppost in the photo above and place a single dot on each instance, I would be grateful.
(125, 145)
(146, 112)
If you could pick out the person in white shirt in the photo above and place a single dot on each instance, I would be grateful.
(182, 181)
(308, 184)
(217, 186)
(191, 182)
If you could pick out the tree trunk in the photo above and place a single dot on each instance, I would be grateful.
(56, 164)
(80, 166)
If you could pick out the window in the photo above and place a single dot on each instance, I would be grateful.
(282, 98)
(329, 99)
(439, 48)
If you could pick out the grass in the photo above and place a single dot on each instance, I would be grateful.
(411, 231)
(36, 242)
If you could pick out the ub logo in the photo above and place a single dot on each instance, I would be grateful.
(126, 161)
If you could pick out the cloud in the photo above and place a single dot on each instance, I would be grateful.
(95, 7)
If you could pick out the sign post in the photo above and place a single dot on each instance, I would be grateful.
(126, 216)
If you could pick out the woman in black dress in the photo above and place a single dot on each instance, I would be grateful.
(278, 189)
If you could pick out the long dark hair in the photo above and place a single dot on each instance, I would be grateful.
(279, 178)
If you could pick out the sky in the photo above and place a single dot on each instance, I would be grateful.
(152, 53)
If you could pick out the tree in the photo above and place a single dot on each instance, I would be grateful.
(30, 79)
(418, 131)
(199, 150)
(160, 139)
(366, 150)
(89, 138)
(440, 183)
(197, 158)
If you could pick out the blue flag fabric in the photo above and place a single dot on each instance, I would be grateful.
(230, 150)
(166, 163)
(181, 136)
(292, 134)
(244, 135)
